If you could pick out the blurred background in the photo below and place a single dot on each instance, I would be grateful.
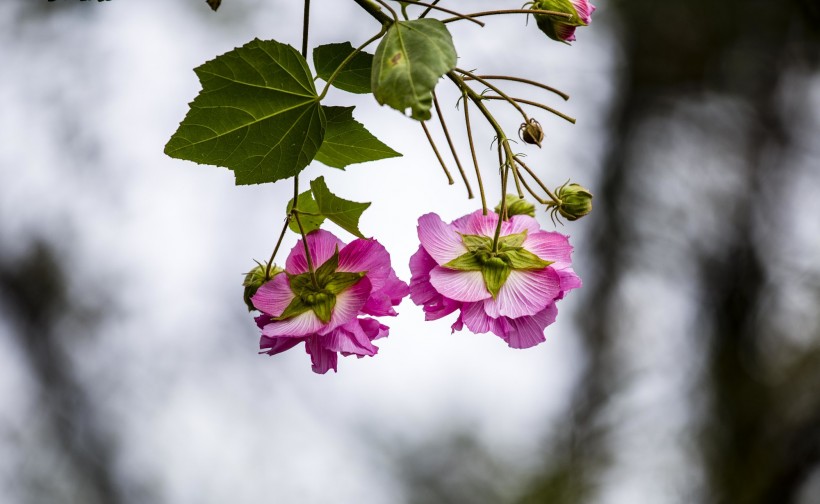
(687, 370)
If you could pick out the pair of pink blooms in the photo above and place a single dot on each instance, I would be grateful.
(517, 307)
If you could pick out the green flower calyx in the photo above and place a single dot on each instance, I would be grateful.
(319, 296)
(255, 278)
(495, 266)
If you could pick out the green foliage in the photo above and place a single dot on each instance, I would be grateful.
(309, 222)
(258, 114)
(347, 141)
(344, 213)
(410, 59)
(354, 77)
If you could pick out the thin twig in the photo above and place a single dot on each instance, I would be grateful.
(494, 88)
(438, 156)
(442, 9)
(512, 11)
(452, 147)
(276, 248)
(529, 190)
(427, 10)
(517, 182)
(538, 180)
(525, 81)
(534, 104)
(472, 152)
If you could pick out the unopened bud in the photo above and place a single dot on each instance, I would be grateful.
(517, 206)
(576, 201)
(531, 132)
(562, 28)
(254, 279)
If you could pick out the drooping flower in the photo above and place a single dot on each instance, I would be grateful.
(559, 28)
(328, 310)
(510, 292)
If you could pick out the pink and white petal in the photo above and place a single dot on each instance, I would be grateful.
(526, 332)
(584, 9)
(274, 296)
(460, 224)
(273, 346)
(569, 280)
(527, 292)
(474, 317)
(301, 325)
(379, 305)
(479, 224)
(366, 255)
(440, 307)
(458, 324)
(322, 245)
(440, 240)
(465, 286)
(519, 224)
(350, 340)
(550, 246)
(323, 360)
(349, 303)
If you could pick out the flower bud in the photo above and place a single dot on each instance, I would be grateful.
(560, 28)
(254, 279)
(531, 132)
(576, 201)
(517, 206)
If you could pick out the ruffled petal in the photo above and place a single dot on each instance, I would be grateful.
(526, 332)
(274, 296)
(373, 329)
(348, 304)
(322, 245)
(564, 32)
(366, 255)
(323, 360)
(301, 325)
(273, 346)
(569, 280)
(465, 286)
(550, 246)
(527, 292)
(440, 240)
(479, 224)
(350, 339)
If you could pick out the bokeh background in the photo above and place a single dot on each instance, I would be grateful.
(686, 370)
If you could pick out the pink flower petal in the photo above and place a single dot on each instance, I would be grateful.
(465, 286)
(373, 329)
(273, 346)
(479, 224)
(527, 292)
(519, 224)
(301, 325)
(526, 332)
(366, 255)
(350, 339)
(348, 304)
(323, 360)
(440, 240)
(550, 246)
(274, 296)
(322, 245)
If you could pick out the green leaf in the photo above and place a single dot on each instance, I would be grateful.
(348, 142)
(344, 213)
(525, 260)
(465, 262)
(309, 222)
(495, 272)
(354, 77)
(477, 242)
(258, 114)
(512, 242)
(410, 59)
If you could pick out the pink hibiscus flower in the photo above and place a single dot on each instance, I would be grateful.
(510, 292)
(350, 281)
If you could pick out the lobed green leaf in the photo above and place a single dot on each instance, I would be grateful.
(347, 142)
(354, 77)
(344, 213)
(309, 222)
(258, 114)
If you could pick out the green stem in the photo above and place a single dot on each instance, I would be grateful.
(494, 88)
(438, 156)
(534, 104)
(526, 81)
(349, 58)
(538, 181)
(504, 172)
(511, 11)
(375, 11)
(442, 9)
(276, 248)
(295, 212)
(472, 151)
(305, 25)
(452, 147)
